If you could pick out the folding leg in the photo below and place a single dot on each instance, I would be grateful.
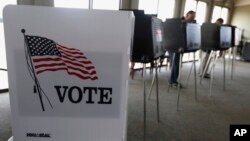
(155, 80)
(144, 103)
(233, 62)
(212, 73)
(195, 82)
(189, 73)
(206, 67)
(179, 81)
(157, 92)
(224, 71)
(172, 69)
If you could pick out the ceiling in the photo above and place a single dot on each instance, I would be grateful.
(241, 2)
(234, 2)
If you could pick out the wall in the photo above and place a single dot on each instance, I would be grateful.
(241, 2)
(125, 4)
(241, 19)
(134, 4)
(36, 2)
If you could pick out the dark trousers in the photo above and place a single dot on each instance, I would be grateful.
(175, 61)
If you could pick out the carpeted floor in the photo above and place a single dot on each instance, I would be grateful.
(206, 119)
(5, 128)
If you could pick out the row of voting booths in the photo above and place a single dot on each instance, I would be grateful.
(153, 38)
(149, 38)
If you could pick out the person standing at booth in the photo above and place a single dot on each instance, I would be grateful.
(175, 57)
(219, 21)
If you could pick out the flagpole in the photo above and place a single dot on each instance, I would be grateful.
(33, 71)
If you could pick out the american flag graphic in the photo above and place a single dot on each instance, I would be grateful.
(47, 55)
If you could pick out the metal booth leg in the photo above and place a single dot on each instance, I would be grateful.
(172, 69)
(224, 71)
(151, 87)
(157, 92)
(179, 81)
(144, 102)
(195, 81)
(189, 73)
(155, 80)
(233, 61)
(206, 67)
(195, 76)
(212, 73)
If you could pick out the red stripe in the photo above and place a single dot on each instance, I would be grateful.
(82, 71)
(71, 52)
(62, 64)
(66, 49)
(46, 59)
(72, 49)
(76, 56)
(72, 59)
(79, 65)
(49, 65)
(70, 73)
(59, 59)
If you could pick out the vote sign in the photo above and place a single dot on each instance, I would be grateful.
(68, 72)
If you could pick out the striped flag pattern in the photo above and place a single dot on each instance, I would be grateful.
(47, 55)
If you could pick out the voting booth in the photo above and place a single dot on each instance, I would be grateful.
(215, 37)
(182, 35)
(236, 35)
(148, 41)
(68, 73)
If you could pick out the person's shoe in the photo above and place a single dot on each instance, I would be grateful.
(207, 75)
(175, 85)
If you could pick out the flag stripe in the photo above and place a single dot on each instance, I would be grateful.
(67, 47)
(48, 60)
(70, 73)
(73, 56)
(71, 52)
(63, 64)
(58, 59)
(76, 58)
(65, 68)
(82, 60)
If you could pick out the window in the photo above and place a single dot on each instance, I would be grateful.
(198, 6)
(201, 12)
(106, 4)
(3, 3)
(166, 9)
(162, 8)
(3, 63)
(149, 6)
(220, 12)
(72, 3)
(88, 4)
(190, 5)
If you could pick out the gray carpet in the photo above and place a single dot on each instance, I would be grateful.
(208, 119)
(5, 129)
